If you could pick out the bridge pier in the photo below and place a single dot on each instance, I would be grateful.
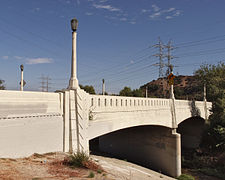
(76, 119)
(155, 147)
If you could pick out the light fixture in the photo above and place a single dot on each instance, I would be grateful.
(21, 67)
(74, 24)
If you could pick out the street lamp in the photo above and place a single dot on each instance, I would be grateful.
(74, 24)
(21, 81)
(73, 83)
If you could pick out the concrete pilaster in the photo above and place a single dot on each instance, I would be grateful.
(76, 106)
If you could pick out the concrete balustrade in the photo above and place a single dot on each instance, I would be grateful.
(103, 103)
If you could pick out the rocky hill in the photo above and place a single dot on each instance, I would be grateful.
(185, 87)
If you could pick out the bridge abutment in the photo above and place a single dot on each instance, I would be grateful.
(155, 147)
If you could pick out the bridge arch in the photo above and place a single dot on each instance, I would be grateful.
(152, 146)
(191, 130)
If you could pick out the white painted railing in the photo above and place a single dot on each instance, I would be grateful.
(104, 103)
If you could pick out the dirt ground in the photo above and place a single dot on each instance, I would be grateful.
(49, 166)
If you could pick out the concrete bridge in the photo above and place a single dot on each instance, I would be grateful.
(149, 131)
(142, 130)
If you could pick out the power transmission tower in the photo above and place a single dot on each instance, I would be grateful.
(169, 57)
(45, 83)
(161, 56)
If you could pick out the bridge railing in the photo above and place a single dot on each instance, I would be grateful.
(120, 103)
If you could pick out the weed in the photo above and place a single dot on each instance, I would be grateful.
(77, 159)
(99, 171)
(185, 177)
(91, 175)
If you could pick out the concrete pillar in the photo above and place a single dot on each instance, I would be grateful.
(76, 117)
(154, 147)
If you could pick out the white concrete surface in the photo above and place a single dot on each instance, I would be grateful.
(22, 137)
(30, 122)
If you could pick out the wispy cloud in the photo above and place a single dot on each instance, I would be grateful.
(123, 19)
(165, 13)
(35, 10)
(154, 15)
(145, 11)
(18, 57)
(155, 8)
(106, 7)
(169, 17)
(89, 13)
(132, 22)
(39, 60)
(5, 57)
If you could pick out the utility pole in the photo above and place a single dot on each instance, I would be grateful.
(146, 91)
(205, 104)
(21, 81)
(161, 56)
(103, 86)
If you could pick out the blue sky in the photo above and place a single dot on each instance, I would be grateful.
(115, 39)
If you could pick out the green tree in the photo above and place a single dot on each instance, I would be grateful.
(214, 78)
(126, 91)
(2, 87)
(88, 89)
(137, 93)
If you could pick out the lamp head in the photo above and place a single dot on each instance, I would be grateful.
(21, 67)
(74, 24)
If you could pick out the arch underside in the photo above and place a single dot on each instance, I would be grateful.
(191, 131)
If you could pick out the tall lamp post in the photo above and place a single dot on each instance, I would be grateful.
(103, 87)
(21, 80)
(73, 83)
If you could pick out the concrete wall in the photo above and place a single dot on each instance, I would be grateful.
(152, 146)
(22, 137)
(30, 122)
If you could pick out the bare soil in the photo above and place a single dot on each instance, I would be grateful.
(52, 166)
(47, 166)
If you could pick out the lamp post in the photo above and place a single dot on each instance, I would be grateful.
(21, 81)
(103, 87)
(73, 83)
